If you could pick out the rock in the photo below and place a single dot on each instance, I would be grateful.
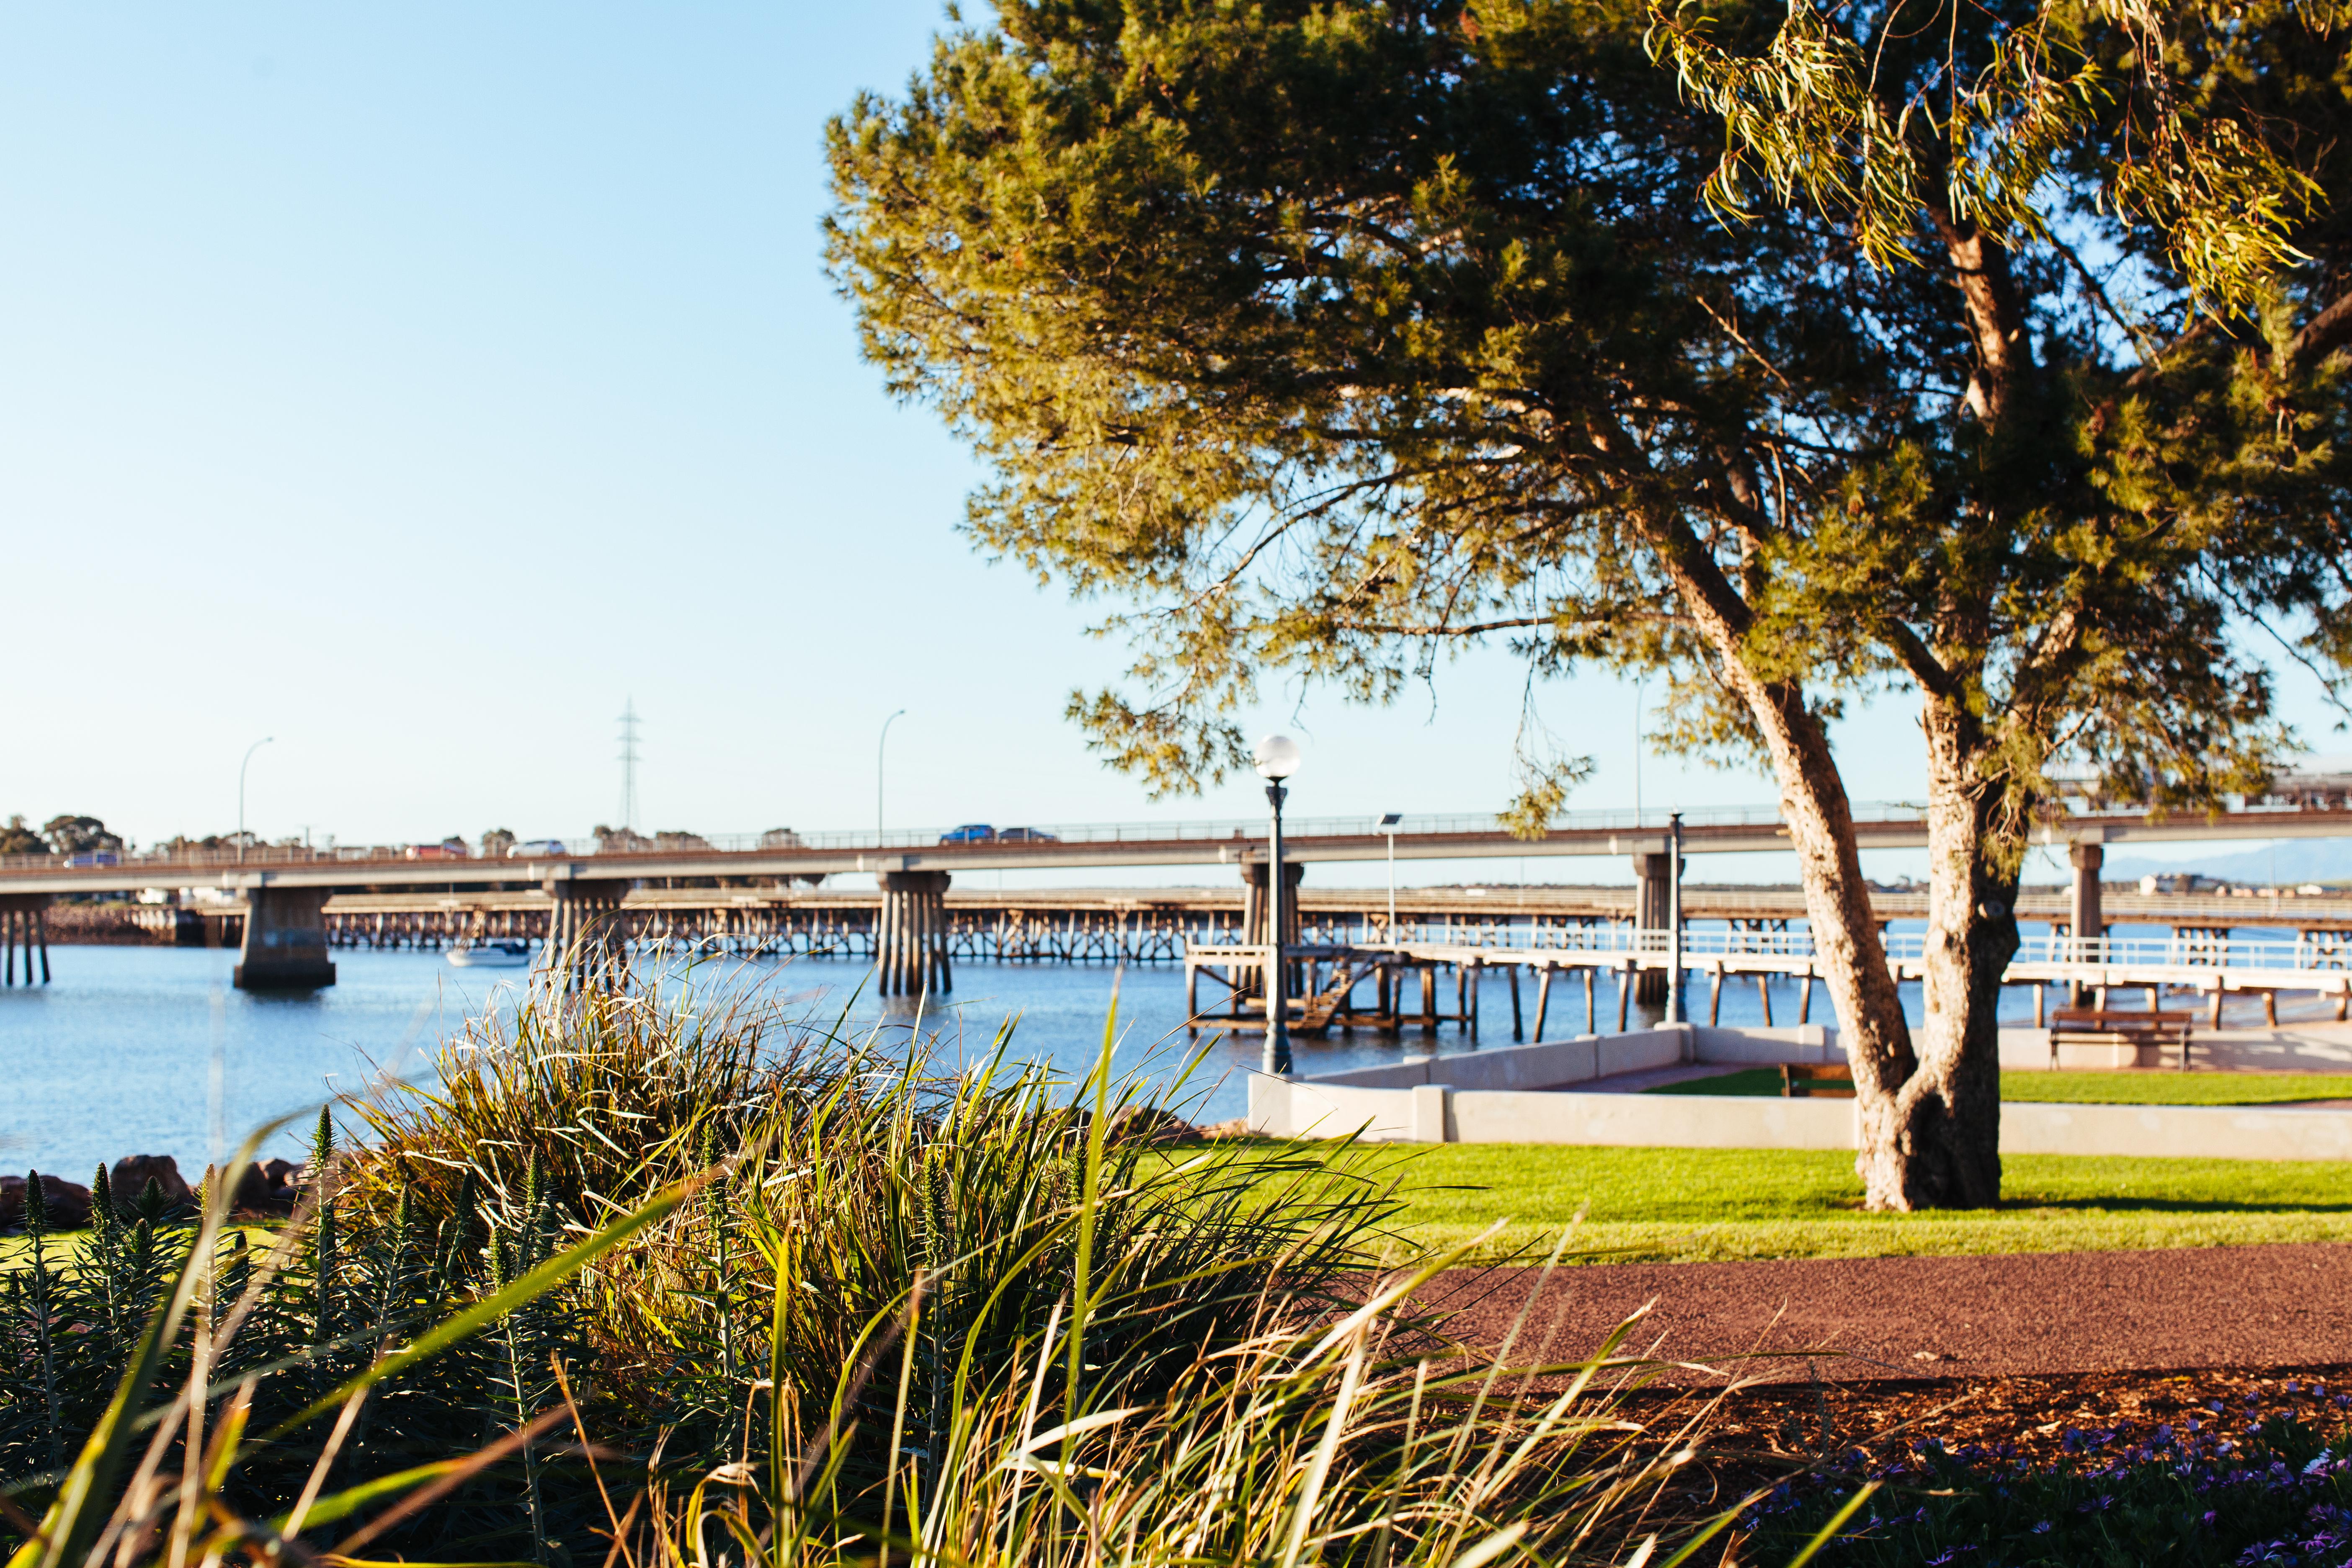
(67, 1203)
(1221, 1131)
(132, 1172)
(253, 1192)
(285, 1179)
(1150, 1124)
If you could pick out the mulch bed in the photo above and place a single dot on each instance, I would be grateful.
(1801, 1422)
(2019, 1315)
(2026, 1350)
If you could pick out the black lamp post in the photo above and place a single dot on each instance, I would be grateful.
(1277, 757)
(1674, 919)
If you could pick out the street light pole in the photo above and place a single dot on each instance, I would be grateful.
(1638, 684)
(878, 754)
(1277, 759)
(1675, 918)
(240, 793)
(1389, 825)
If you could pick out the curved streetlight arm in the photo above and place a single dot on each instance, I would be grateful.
(240, 791)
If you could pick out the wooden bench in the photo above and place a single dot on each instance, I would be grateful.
(2107, 1026)
(1812, 1080)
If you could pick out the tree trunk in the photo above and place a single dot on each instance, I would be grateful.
(1944, 1126)
(1872, 1028)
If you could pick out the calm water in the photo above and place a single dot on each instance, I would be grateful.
(150, 1050)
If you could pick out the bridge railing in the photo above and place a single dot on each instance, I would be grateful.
(2320, 955)
(588, 845)
(1366, 827)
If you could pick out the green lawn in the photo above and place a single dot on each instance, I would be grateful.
(65, 1247)
(2072, 1088)
(1683, 1205)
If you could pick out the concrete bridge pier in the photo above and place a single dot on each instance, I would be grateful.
(24, 925)
(1255, 906)
(1257, 914)
(285, 941)
(910, 936)
(585, 939)
(2087, 921)
(1654, 878)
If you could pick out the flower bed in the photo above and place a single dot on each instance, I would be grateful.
(2254, 1471)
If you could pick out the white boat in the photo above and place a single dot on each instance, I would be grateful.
(508, 952)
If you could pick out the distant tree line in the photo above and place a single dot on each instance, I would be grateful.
(61, 835)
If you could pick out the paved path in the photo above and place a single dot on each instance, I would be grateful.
(2012, 1315)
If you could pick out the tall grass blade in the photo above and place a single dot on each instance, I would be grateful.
(1311, 1493)
(1082, 1269)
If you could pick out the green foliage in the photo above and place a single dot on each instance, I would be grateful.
(276, 1335)
(1978, 118)
(1333, 336)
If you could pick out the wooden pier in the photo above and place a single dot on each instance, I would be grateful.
(1563, 952)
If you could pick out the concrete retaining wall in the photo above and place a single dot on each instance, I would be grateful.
(1558, 1062)
(1498, 1097)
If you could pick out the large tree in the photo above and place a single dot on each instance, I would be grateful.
(1324, 336)
(69, 835)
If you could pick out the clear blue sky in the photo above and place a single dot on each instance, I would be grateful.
(417, 385)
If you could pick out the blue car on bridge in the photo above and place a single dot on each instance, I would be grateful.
(969, 833)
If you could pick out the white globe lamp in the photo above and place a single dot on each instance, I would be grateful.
(1276, 757)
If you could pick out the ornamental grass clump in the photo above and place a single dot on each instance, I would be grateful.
(1308, 1439)
(2254, 1481)
(613, 1092)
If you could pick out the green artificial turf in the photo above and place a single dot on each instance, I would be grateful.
(1748, 1081)
(2076, 1087)
(1684, 1204)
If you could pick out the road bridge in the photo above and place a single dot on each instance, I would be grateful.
(286, 940)
(1123, 924)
